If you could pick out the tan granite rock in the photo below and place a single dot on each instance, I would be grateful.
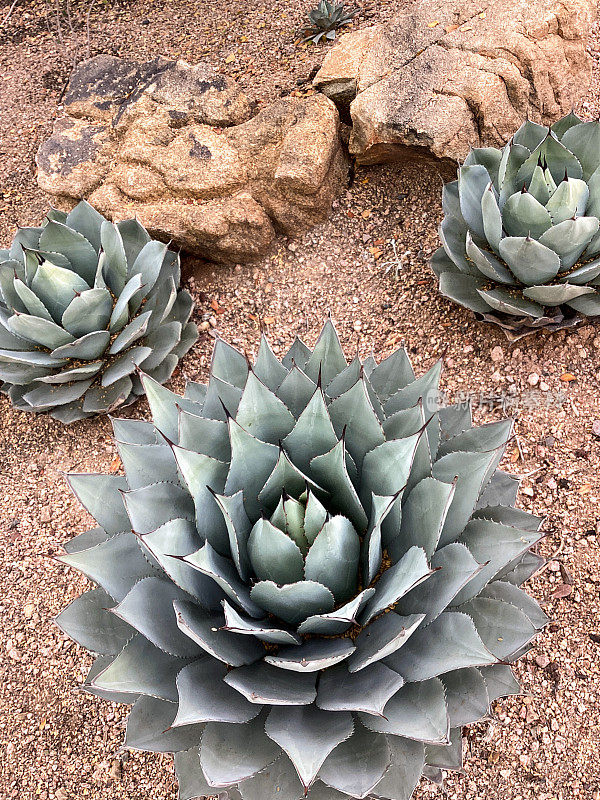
(442, 77)
(177, 147)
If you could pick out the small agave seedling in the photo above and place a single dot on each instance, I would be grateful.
(325, 19)
(83, 303)
(307, 580)
(521, 245)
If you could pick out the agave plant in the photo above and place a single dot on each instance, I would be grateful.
(520, 235)
(307, 580)
(83, 303)
(325, 19)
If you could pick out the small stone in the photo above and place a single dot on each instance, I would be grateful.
(357, 326)
(533, 379)
(204, 326)
(497, 354)
(542, 661)
(28, 610)
(544, 386)
(45, 515)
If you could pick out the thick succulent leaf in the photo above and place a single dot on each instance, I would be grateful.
(466, 696)
(570, 238)
(337, 621)
(142, 668)
(367, 690)
(307, 734)
(148, 608)
(131, 332)
(589, 305)
(165, 406)
(56, 287)
(488, 264)
(493, 545)
(39, 330)
(267, 368)
(101, 496)
(556, 295)
(149, 728)
(386, 470)
(164, 340)
(203, 477)
(423, 516)
(273, 554)
(147, 463)
(327, 358)
(252, 461)
(450, 642)
(221, 400)
(353, 413)
(289, 517)
(501, 490)
(88, 621)
(313, 655)
(88, 312)
(224, 574)
(120, 313)
(472, 184)
(507, 303)
(296, 390)
(447, 757)
(503, 627)
(278, 781)
(569, 200)
(191, 780)
(124, 365)
(153, 505)
(313, 433)
(85, 540)
(382, 638)
(582, 275)
(520, 570)
(106, 398)
(205, 697)
(208, 436)
(148, 263)
(357, 765)
(503, 590)
(87, 221)
(86, 348)
(467, 471)
(510, 516)
(583, 141)
(229, 364)
(396, 581)
(454, 566)
(440, 263)
(265, 684)
(100, 663)
(206, 630)
(285, 479)
(333, 559)
(49, 395)
(115, 265)
(59, 238)
(417, 711)
(262, 413)
(463, 290)
(32, 303)
(562, 126)
(453, 238)
(557, 157)
(23, 374)
(238, 527)
(371, 547)
(538, 186)
(116, 564)
(405, 769)
(331, 473)
(489, 157)
(74, 374)
(499, 681)
(523, 215)
(392, 374)
(232, 753)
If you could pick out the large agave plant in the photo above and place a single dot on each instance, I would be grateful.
(325, 19)
(520, 234)
(83, 303)
(307, 579)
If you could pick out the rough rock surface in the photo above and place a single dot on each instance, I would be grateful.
(176, 146)
(441, 77)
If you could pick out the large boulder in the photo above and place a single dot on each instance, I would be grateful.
(177, 146)
(442, 77)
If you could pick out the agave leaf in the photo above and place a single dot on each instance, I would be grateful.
(238, 529)
(556, 295)
(116, 564)
(88, 312)
(88, 621)
(31, 302)
(132, 331)
(59, 238)
(191, 780)
(315, 515)
(583, 141)
(252, 461)
(367, 690)
(39, 330)
(115, 264)
(423, 516)
(523, 215)
(225, 575)
(298, 355)
(331, 472)
(582, 275)
(562, 126)
(357, 765)
(263, 683)
(392, 374)
(489, 157)
(569, 200)
(207, 436)
(232, 753)
(538, 186)
(262, 413)
(222, 399)
(371, 547)
(396, 581)
(296, 390)
(337, 621)
(570, 238)
(508, 593)
(229, 364)
(312, 656)
(162, 341)
(267, 368)
(151, 506)
(49, 395)
(86, 348)
(589, 304)
(307, 734)
(382, 638)
(149, 728)
(204, 629)
(488, 264)
(507, 303)
(463, 289)
(521, 569)
(279, 782)
(333, 559)
(450, 642)
(327, 358)
(148, 264)
(502, 489)
(273, 554)
(530, 135)
(141, 668)
(100, 663)
(529, 260)
(313, 433)
(165, 406)
(472, 184)
(21, 374)
(295, 602)
(260, 628)
(454, 566)
(101, 496)
(104, 399)
(87, 221)
(499, 681)
(285, 478)
(354, 413)
(205, 697)
(345, 379)
(440, 756)
(134, 237)
(386, 469)
(9, 271)
(417, 711)
(453, 237)
(451, 199)
(404, 772)
(503, 628)
(466, 696)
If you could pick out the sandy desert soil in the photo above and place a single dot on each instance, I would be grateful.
(59, 744)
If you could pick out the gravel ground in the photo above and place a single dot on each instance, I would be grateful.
(57, 743)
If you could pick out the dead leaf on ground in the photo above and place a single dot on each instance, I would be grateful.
(564, 590)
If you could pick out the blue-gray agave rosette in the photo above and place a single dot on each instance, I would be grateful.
(83, 303)
(308, 579)
(521, 245)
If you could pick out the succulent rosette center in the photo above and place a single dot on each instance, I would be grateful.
(308, 567)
